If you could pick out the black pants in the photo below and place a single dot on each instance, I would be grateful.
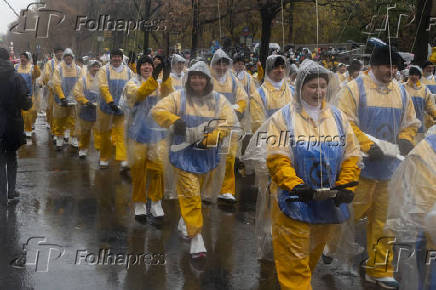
(8, 175)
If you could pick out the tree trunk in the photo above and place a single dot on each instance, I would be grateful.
(195, 27)
(291, 22)
(422, 37)
(267, 18)
(146, 29)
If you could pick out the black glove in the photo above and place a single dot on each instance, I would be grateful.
(156, 71)
(405, 146)
(34, 59)
(180, 127)
(166, 70)
(304, 191)
(239, 115)
(343, 196)
(114, 107)
(64, 102)
(375, 152)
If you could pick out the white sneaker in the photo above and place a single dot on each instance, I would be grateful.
(181, 227)
(124, 164)
(83, 153)
(67, 134)
(227, 196)
(197, 245)
(104, 164)
(74, 142)
(59, 141)
(156, 209)
(140, 208)
(28, 134)
(384, 282)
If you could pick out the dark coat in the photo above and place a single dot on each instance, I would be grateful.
(14, 97)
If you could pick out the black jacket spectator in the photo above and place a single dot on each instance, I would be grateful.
(14, 97)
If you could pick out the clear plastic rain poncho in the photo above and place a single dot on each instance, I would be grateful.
(330, 122)
(227, 84)
(198, 153)
(147, 142)
(412, 210)
(177, 77)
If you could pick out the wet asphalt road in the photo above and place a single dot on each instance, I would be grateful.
(70, 211)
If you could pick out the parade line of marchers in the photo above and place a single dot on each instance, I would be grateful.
(106, 258)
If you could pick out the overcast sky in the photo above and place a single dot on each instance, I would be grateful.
(6, 14)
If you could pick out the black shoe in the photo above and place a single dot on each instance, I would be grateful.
(13, 200)
(157, 221)
(326, 259)
(141, 218)
(125, 173)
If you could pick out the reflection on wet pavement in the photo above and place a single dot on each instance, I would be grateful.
(79, 232)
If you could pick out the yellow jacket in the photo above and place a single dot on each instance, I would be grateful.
(248, 83)
(274, 99)
(114, 75)
(232, 89)
(49, 68)
(349, 103)
(280, 157)
(70, 71)
(136, 94)
(168, 110)
(422, 99)
(36, 72)
(78, 91)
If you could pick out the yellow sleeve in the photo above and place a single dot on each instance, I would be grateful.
(409, 132)
(132, 67)
(46, 73)
(164, 113)
(252, 86)
(257, 113)
(347, 104)
(78, 92)
(57, 82)
(36, 72)
(104, 87)
(282, 172)
(146, 89)
(241, 98)
(166, 88)
(350, 171)
(260, 73)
